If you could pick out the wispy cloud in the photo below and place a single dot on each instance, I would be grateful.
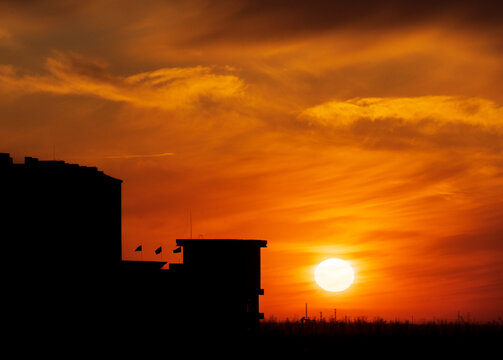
(423, 122)
(166, 88)
(444, 109)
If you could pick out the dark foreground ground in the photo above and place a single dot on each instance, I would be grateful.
(360, 339)
(281, 340)
(391, 339)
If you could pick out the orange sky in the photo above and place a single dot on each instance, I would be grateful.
(372, 132)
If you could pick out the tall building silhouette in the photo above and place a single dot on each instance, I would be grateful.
(62, 212)
(61, 237)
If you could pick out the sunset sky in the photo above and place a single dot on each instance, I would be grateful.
(370, 131)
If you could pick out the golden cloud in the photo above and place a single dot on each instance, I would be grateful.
(166, 88)
(443, 109)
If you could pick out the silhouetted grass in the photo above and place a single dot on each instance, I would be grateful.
(362, 337)
(379, 327)
(291, 339)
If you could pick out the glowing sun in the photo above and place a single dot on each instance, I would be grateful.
(334, 275)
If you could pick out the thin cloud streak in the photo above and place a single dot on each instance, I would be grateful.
(139, 156)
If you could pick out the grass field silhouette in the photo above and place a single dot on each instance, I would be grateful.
(361, 336)
(358, 338)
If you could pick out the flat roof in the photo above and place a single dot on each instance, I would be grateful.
(143, 264)
(223, 242)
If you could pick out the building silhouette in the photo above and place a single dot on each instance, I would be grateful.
(62, 212)
(220, 280)
(61, 238)
(217, 286)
